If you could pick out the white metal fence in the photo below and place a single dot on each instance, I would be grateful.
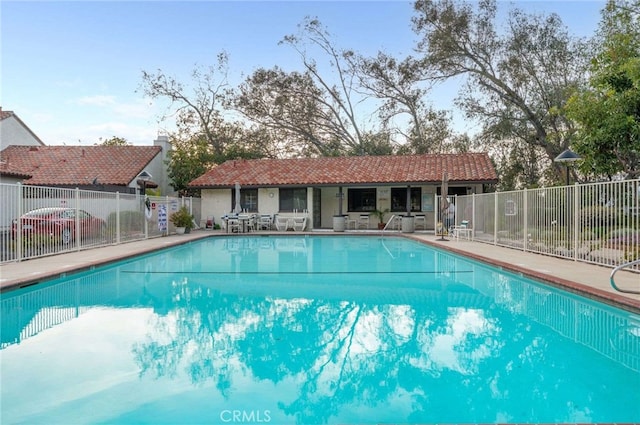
(36, 221)
(596, 223)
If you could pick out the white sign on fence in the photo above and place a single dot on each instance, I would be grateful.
(162, 217)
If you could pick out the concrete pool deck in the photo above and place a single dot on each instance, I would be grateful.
(587, 279)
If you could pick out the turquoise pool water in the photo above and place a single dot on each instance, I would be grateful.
(312, 330)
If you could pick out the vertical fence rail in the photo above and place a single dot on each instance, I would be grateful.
(596, 223)
(37, 221)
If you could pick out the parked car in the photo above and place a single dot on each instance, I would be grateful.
(58, 222)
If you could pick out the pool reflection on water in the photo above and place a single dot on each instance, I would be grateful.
(325, 329)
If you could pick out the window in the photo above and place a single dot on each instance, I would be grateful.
(361, 199)
(248, 199)
(293, 199)
(399, 199)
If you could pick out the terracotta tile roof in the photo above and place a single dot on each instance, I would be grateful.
(5, 114)
(79, 165)
(352, 170)
(6, 170)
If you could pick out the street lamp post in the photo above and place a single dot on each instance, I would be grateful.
(567, 157)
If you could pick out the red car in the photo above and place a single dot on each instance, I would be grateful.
(58, 222)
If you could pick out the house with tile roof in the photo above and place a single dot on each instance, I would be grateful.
(104, 168)
(98, 167)
(335, 186)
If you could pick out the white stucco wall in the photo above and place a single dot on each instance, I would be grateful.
(217, 202)
(13, 132)
(160, 173)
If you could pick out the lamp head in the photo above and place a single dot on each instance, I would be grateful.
(567, 156)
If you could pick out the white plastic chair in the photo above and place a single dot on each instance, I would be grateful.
(420, 221)
(282, 223)
(349, 223)
(264, 222)
(233, 225)
(299, 224)
(363, 221)
(462, 230)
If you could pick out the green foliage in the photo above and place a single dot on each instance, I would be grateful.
(598, 215)
(187, 160)
(128, 220)
(38, 244)
(518, 78)
(182, 218)
(114, 141)
(608, 111)
(380, 214)
(373, 144)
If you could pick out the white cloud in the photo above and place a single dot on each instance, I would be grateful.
(140, 107)
(98, 100)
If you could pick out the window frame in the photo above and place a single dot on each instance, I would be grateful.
(362, 199)
(401, 192)
(294, 195)
(244, 193)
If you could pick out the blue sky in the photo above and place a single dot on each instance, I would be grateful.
(71, 70)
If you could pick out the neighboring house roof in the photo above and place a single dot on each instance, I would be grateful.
(79, 165)
(9, 114)
(6, 170)
(351, 170)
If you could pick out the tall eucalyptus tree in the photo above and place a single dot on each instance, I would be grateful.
(518, 78)
(402, 88)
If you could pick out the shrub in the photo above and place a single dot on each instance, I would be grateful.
(128, 220)
(598, 215)
(182, 218)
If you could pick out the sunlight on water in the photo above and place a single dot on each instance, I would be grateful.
(310, 330)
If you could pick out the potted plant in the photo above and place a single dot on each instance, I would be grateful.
(182, 220)
(380, 214)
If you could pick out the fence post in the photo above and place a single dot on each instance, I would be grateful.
(117, 217)
(526, 220)
(167, 201)
(77, 220)
(495, 218)
(576, 216)
(144, 213)
(473, 215)
(19, 242)
(436, 202)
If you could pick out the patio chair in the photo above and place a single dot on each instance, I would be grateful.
(233, 225)
(363, 221)
(420, 221)
(209, 222)
(264, 222)
(464, 229)
(248, 222)
(282, 223)
(299, 224)
(349, 223)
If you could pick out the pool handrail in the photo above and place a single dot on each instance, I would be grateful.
(620, 267)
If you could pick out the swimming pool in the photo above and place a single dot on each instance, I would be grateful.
(322, 329)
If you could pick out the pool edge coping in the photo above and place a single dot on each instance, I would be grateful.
(619, 301)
